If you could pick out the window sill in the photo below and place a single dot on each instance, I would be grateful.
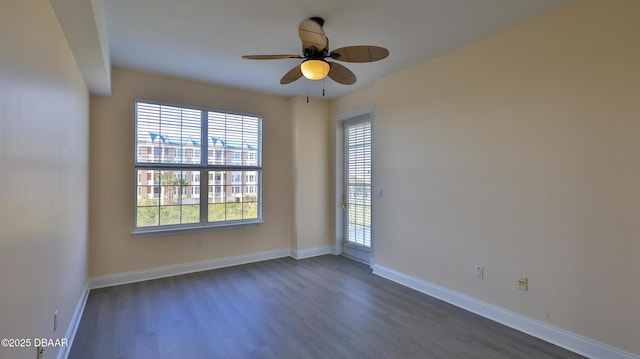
(161, 231)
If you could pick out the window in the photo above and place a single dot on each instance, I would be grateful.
(177, 136)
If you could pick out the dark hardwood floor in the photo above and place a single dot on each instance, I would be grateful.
(322, 307)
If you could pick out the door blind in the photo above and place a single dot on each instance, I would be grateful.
(358, 182)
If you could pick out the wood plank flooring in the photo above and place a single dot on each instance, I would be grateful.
(322, 307)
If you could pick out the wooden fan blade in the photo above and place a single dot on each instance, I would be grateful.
(362, 53)
(341, 74)
(312, 35)
(271, 57)
(293, 74)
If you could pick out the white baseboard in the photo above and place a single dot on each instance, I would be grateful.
(183, 268)
(560, 337)
(310, 252)
(75, 322)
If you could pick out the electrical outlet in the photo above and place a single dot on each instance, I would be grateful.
(523, 283)
(39, 352)
(479, 272)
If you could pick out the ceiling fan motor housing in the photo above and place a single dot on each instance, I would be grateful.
(317, 19)
(313, 53)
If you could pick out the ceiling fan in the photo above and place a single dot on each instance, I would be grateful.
(315, 49)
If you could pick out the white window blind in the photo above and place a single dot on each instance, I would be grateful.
(169, 167)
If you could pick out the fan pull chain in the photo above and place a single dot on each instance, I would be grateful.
(307, 91)
(323, 86)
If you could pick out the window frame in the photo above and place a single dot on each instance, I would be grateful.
(205, 168)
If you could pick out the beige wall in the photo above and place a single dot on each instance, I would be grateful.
(521, 153)
(112, 248)
(312, 185)
(44, 128)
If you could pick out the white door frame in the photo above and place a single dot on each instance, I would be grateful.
(338, 181)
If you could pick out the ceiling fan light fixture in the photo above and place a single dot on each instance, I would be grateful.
(315, 51)
(315, 69)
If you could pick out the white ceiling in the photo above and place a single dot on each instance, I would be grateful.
(203, 40)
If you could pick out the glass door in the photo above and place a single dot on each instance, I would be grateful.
(356, 199)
